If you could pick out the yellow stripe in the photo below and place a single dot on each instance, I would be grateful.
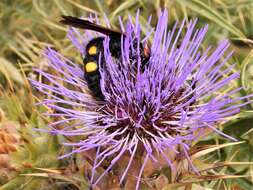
(92, 50)
(91, 67)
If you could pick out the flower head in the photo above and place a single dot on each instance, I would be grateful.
(163, 106)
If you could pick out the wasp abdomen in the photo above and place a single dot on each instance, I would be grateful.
(91, 66)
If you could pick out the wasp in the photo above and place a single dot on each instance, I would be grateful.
(95, 47)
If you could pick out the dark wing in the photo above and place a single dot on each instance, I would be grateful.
(85, 24)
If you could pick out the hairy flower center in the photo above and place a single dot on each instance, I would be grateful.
(144, 115)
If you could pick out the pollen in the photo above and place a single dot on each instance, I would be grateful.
(91, 67)
(92, 50)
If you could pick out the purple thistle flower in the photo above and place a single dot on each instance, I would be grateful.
(167, 105)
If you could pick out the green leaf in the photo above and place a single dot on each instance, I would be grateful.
(124, 6)
(16, 184)
(10, 71)
(205, 10)
(244, 80)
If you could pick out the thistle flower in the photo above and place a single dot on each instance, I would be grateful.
(152, 111)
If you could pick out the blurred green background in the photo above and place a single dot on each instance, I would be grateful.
(28, 159)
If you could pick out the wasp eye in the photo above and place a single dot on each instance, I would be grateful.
(92, 50)
(91, 67)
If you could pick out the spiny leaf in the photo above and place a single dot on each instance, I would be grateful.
(48, 170)
(244, 66)
(55, 176)
(200, 179)
(210, 148)
(206, 167)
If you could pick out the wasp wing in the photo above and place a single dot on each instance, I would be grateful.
(85, 24)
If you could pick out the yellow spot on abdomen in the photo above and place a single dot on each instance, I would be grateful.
(91, 67)
(92, 50)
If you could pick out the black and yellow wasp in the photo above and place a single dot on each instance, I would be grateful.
(95, 47)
